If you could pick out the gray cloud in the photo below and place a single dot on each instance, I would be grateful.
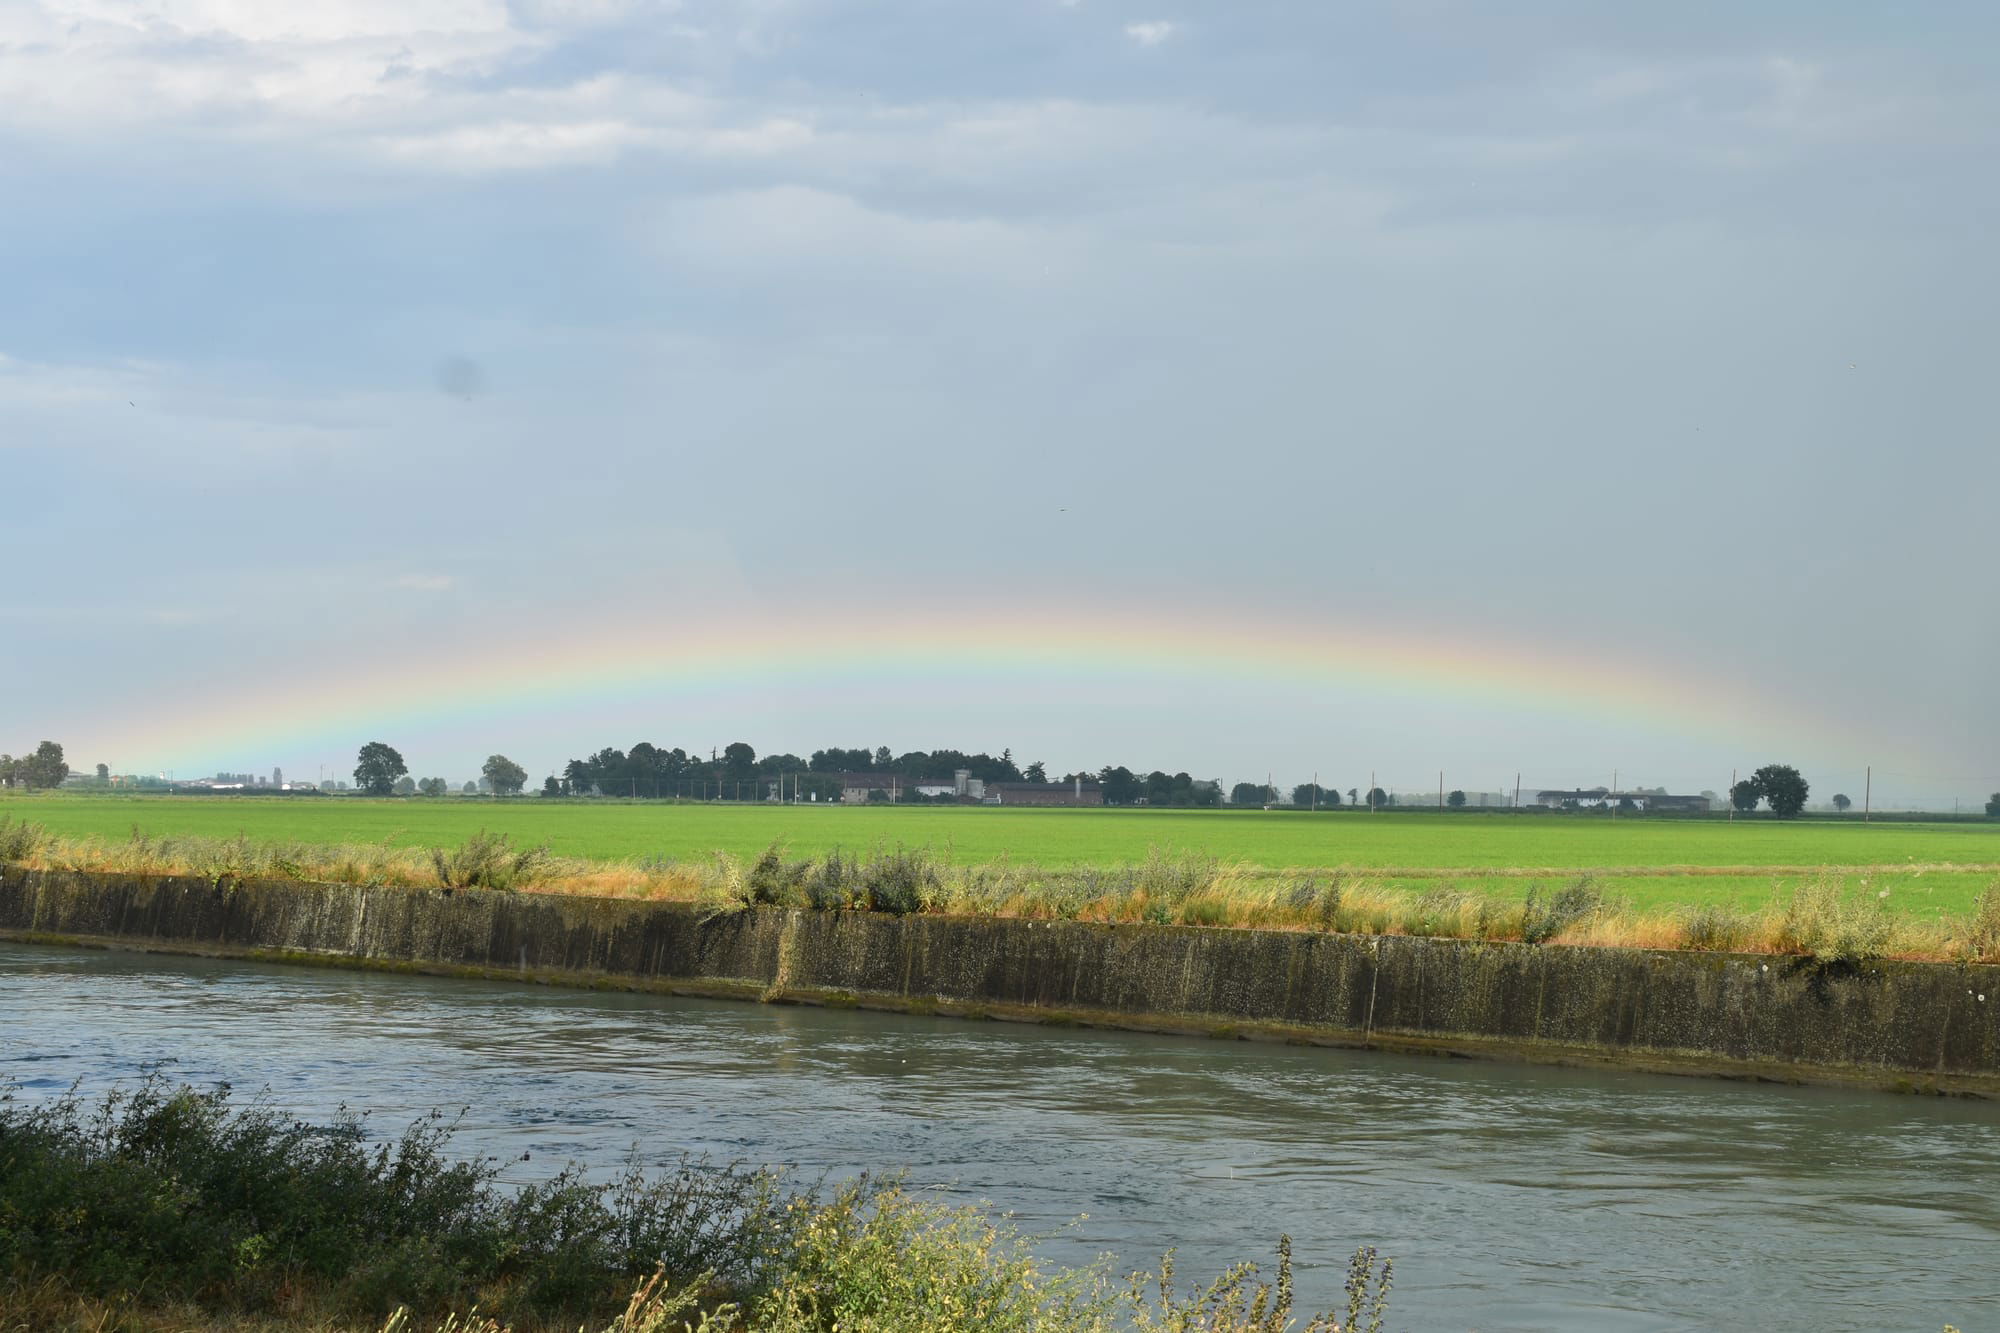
(1537, 331)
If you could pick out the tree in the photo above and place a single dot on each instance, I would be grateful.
(1035, 773)
(377, 767)
(44, 768)
(405, 786)
(506, 776)
(431, 787)
(104, 772)
(550, 787)
(1840, 802)
(1993, 805)
(1121, 785)
(739, 762)
(1377, 798)
(469, 789)
(1306, 795)
(1456, 800)
(1782, 788)
(1252, 793)
(1745, 795)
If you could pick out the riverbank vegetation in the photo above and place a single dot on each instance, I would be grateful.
(165, 1207)
(1833, 913)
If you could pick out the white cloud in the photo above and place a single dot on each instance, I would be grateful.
(1151, 32)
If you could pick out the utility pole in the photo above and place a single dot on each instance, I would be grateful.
(1732, 796)
(1868, 794)
(1517, 791)
(1371, 791)
(1614, 793)
(1440, 791)
(1315, 797)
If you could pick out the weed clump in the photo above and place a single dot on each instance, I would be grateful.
(773, 882)
(1441, 911)
(1543, 921)
(1983, 932)
(831, 884)
(901, 882)
(1713, 928)
(20, 838)
(489, 861)
(1833, 926)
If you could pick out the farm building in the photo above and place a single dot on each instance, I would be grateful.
(858, 788)
(1594, 797)
(960, 784)
(1076, 792)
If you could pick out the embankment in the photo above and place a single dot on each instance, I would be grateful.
(1904, 1026)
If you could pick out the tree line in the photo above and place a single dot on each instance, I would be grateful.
(737, 771)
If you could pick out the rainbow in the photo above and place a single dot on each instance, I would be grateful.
(688, 665)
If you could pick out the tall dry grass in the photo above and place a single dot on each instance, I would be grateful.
(1826, 914)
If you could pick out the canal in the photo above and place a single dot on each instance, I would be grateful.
(1510, 1197)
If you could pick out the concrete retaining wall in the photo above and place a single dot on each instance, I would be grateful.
(1907, 1026)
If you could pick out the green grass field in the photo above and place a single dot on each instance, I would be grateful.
(1650, 863)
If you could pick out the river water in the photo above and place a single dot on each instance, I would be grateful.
(1510, 1197)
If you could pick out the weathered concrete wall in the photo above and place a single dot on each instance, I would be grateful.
(1902, 1025)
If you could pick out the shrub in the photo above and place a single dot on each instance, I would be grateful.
(774, 883)
(829, 885)
(1823, 920)
(1543, 921)
(1713, 927)
(183, 1195)
(167, 1198)
(489, 861)
(899, 882)
(20, 838)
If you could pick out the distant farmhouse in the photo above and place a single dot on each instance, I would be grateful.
(1074, 792)
(860, 788)
(1598, 797)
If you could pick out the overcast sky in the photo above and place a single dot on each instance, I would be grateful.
(380, 354)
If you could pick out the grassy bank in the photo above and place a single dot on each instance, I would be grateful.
(168, 1208)
(1827, 912)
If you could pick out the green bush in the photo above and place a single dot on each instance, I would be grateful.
(171, 1200)
(773, 883)
(20, 838)
(900, 882)
(1824, 920)
(184, 1195)
(489, 861)
(1543, 921)
(830, 885)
